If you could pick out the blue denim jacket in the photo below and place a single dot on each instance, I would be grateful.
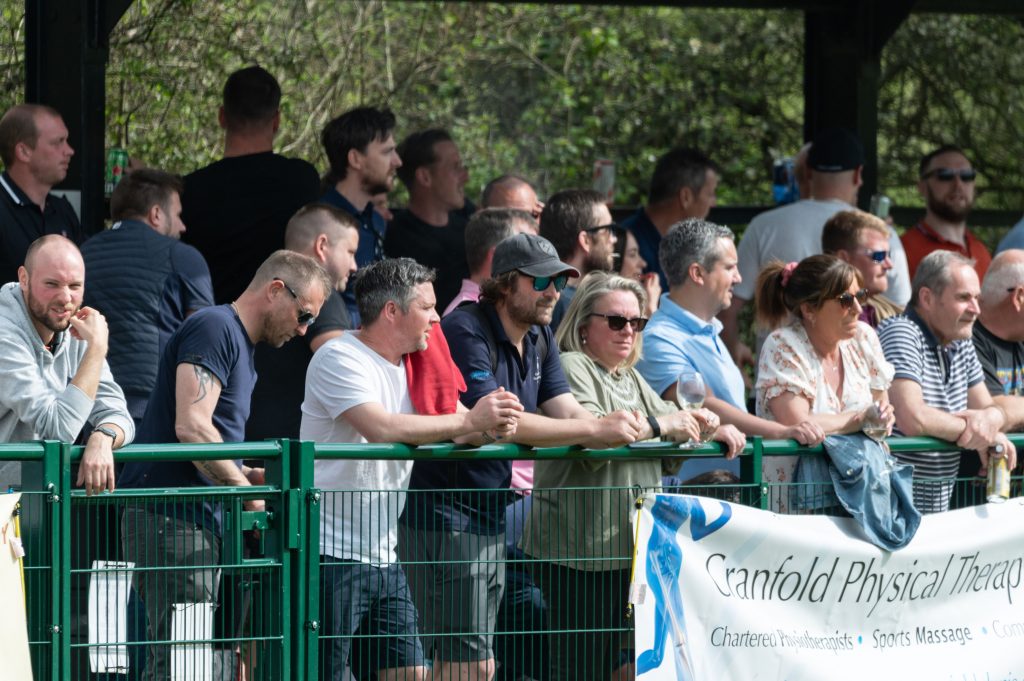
(870, 484)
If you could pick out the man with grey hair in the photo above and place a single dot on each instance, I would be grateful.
(486, 229)
(357, 390)
(938, 388)
(699, 261)
(512, 191)
(999, 334)
(330, 236)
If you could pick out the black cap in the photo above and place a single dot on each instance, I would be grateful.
(530, 254)
(835, 150)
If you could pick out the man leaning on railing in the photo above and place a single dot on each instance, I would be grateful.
(202, 393)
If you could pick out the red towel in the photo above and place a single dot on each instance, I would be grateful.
(434, 380)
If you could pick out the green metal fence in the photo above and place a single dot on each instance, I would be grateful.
(265, 594)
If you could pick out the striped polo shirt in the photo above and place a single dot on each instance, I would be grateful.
(944, 374)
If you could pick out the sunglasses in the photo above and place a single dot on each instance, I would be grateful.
(846, 299)
(949, 174)
(542, 283)
(618, 322)
(305, 318)
(614, 227)
(877, 256)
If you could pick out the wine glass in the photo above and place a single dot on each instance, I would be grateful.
(690, 394)
(874, 425)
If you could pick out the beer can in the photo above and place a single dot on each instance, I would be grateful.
(880, 205)
(117, 165)
(998, 488)
(604, 179)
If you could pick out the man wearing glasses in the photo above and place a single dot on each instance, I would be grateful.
(862, 240)
(579, 225)
(503, 341)
(203, 387)
(946, 182)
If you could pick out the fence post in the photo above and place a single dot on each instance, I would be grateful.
(304, 529)
(752, 470)
(63, 502)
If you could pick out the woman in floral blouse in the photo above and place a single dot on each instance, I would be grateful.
(819, 361)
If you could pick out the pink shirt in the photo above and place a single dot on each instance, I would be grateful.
(470, 291)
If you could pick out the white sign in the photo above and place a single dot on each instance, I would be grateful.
(14, 654)
(727, 592)
(109, 586)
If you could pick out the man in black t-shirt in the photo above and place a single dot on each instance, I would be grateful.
(236, 209)
(330, 236)
(431, 230)
(35, 152)
(999, 334)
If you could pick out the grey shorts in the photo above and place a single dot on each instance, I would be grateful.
(456, 579)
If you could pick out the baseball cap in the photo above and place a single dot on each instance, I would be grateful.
(530, 254)
(835, 150)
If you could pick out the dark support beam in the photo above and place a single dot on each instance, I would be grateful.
(66, 50)
(842, 72)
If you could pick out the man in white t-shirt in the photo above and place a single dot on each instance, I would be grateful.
(357, 391)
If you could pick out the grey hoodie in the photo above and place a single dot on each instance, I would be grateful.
(37, 400)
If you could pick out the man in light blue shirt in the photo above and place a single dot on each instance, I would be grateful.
(1013, 239)
(699, 260)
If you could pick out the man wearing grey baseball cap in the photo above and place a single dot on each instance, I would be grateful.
(504, 340)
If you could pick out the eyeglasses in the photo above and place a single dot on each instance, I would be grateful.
(617, 322)
(877, 256)
(846, 299)
(948, 174)
(542, 283)
(594, 230)
(306, 318)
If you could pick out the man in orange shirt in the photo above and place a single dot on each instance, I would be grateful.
(947, 184)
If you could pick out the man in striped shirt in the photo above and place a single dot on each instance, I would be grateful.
(939, 387)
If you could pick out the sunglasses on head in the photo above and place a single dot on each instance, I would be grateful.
(617, 322)
(877, 256)
(306, 318)
(948, 174)
(846, 299)
(542, 283)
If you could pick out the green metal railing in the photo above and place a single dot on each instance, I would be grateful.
(270, 563)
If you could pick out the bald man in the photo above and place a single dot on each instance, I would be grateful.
(53, 366)
(512, 191)
(999, 334)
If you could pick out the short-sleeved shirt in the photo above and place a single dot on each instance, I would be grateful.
(602, 515)
(235, 212)
(945, 373)
(441, 248)
(372, 230)
(1001, 361)
(364, 499)
(533, 379)
(1013, 239)
(648, 241)
(22, 222)
(676, 339)
(276, 409)
(921, 239)
(214, 339)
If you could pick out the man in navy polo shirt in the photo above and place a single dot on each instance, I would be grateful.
(361, 150)
(458, 538)
(143, 279)
(203, 386)
(35, 151)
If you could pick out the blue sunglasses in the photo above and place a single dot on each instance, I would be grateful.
(542, 283)
(877, 256)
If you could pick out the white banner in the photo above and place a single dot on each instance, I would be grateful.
(726, 592)
(14, 653)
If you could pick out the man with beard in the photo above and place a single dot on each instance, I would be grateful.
(431, 230)
(236, 208)
(202, 393)
(35, 152)
(330, 236)
(579, 225)
(947, 185)
(457, 538)
(360, 148)
(939, 387)
(56, 381)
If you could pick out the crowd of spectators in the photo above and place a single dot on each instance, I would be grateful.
(254, 299)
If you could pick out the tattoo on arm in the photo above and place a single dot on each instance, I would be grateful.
(210, 471)
(203, 376)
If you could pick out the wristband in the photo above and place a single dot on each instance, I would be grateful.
(106, 431)
(655, 426)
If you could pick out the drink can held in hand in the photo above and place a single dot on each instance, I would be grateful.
(117, 164)
(880, 206)
(998, 488)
